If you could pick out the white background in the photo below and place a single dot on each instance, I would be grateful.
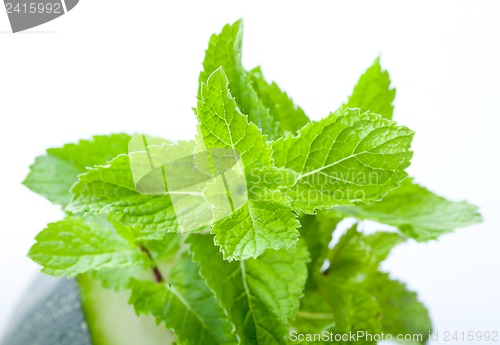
(119, 65)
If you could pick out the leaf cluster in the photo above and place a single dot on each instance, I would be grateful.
(268, 267)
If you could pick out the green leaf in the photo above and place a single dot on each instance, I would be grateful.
(290, 117)
(381, 243)
(260, 223)
(224, 50)
(402, 312)
(185, 305)
(53, 174)
(259, 295)
(258, 175)
(271, 184)
(163, 247)
(252, 229)
(223, 125)
(345, 158)
(351, 256)
(340, 307)
(110, 189)
(317, 233)
(344, 298)
(315, 315)
(357, 253)
(417, 212)
(354, 310)
(163, 250)
(118, 278)
(373, 92)
(132, 188)
(73, 246)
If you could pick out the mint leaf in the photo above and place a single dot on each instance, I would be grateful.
(53, 174)
(257, 175)
(223, 125)
(73, 246)
(133, 188)
(185, 305)
(281, 107)
(381, 244)
(251, 230)
(358, 297)
(402, 312)
(354, 309)
(317, 233)
(110, 189)
(52, 177)
(345, 158)
(161, 248)
(340, 307)
(118, 278)
(224, 50)
(373, 92)
(259, 295)
(260, 223)
(417, 212)
(351, 256)
(315, 315)
(356, 253)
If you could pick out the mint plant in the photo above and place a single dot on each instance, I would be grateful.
(262, 271)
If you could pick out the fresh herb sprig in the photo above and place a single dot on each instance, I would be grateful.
(264, 274)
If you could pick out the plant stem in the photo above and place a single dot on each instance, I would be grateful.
(156, 271)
